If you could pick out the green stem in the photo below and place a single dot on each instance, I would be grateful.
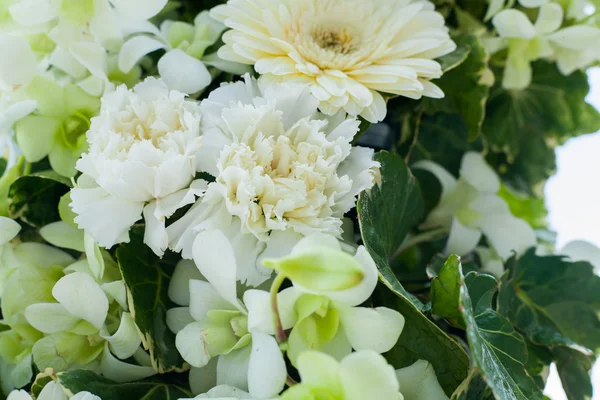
(279, 332)
(290, 381)
(415, 240)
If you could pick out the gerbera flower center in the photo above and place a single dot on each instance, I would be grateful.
(340, 40)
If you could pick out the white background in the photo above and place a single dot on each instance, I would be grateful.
(573, 200)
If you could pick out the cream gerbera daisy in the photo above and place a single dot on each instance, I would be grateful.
(347, 51)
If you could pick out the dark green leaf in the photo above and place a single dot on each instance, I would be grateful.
(456, 58)
(473, 388)
(422, 339)
(148, 389)
(147, 279)
(539, 359)
(574, 371)
(466, 87)
(34, 198)
(386, 213)
(445, 289)
(555, 302)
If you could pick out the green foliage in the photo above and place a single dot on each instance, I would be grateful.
(422, 339)
(445, 289)
(466, 86)
(574, 371)
(532, 210)
(386, 213)
(497, 350)
(473, 388)
(147, 279)
(34, 198)
(553, 301)
(148, 389)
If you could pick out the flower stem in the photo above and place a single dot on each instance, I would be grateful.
(279, 332)
(290, 381)
(415, 240)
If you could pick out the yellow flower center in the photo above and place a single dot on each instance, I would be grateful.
(338, 39)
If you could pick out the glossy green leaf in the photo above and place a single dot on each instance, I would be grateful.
(473, 388)
(386, 213)
(553, 301)
(445, 290)
(148, 389)
(496, 348)
(422, 339)
(466, 87)
(531, 209)
(574, 371)
(147, 279)
(34, 198)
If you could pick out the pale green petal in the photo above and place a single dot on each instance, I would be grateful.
(191, 345)
(532, 3)
(232, 368)
(120, 371)
(139, 9)
(260, 311)
(376, 329)
(83, 297)
(549, 19)
(367, 375)
(36, 136)
(50, 97)
(320, 371)
(9, 228)
(33, 12)
(462, 239)
(215, 258)
(578, 37)
(178, 318)
(517, 73)
(513, 24)
(94, 256)
(42, 255)
(418, 382)
(361, 292)
(204, 298)
(92, 56)
(50, 317)
(63, 235)
(267, 372)
(183, 73)
(117, 291)
(179, 287)
(126, 340)
(20, 67)
(205, 378)
(63, 159)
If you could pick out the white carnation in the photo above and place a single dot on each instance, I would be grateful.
(141, 157)
(282, 171)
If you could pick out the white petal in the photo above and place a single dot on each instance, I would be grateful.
(92, 85)
(232, 67)
(478, 173)
(94, 256)
(120, 371)
(155, 232)
(513, 24)
(446, 179)
(517, 73)
(579, 250)
(33, 12)
(18, 64)
(61, 234)
(260, 312)
(205, 378)
(106, 217)
(178, 318)
(139, 9)
(136, 48)
(376, 329)
(361, 292)
(578, 37)
(82, 297)
(462, 239)
(190, 344)
(50, 317)
(267, 372)
(280, 244)
(92, 56)
(549, 19)
(418, 382)
(9, 228)
(367, 375)
(232, 368)
(215, 258)
(316, 241)
(532, 3)
(117, 291)
(19, 395)
(507, 234)
(183, 72)
(52, 391)
(179, 287)
(42, 255)
(204, 297)
(126, 340)
(85, 396)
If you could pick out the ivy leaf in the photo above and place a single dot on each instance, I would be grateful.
(386, 213)
(34, 198)
(532, 210)
(456, 58)
(553, 107)
(497, 350)
(147, 279)
(574, 371)
(445, 289)
(466, 87)
(148, 389)
(553, 301)
(422, 339)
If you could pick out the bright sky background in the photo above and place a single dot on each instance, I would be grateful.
(573, 200)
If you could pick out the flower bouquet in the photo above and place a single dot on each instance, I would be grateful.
(291, 199)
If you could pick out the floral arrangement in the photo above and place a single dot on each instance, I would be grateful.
(291, 199)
